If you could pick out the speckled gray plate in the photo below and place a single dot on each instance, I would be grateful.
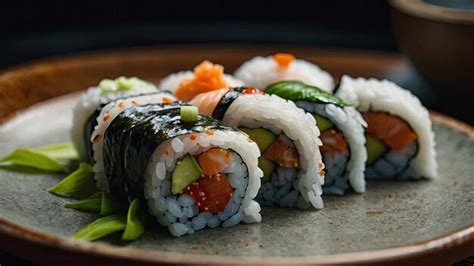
(390, 214)
(391, 222)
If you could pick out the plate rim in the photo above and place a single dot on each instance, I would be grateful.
(457, 239)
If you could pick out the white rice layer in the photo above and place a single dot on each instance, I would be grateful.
(282, 116)
(350, 122)
(172, 81)
(106, 116)
(386, 96)
(88, 103)
(260, 72)
(181, 215)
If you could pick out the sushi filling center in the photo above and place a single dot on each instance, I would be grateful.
(280, 163)
(391, 144)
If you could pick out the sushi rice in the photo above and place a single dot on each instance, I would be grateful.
(386, 96)
(261, 71)
(278, 115)
(180, 213)
(349, 166)
(172, 81)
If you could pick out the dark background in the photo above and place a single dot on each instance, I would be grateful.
(34, 29)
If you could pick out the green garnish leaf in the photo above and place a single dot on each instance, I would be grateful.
(299, 91)
(100, 202)
(61, 151)
(189, 113)
(79, 184)
(135, 222)
(33, 159)
(101, 227)
(90, 204)
(109, 204)
(121, 84)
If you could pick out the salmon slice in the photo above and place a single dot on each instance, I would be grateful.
(333, 141)
(283, 60)
(282, 154)
(207, 77)
(206, 102)
(214, 160)
(393, 131)
(211, 193)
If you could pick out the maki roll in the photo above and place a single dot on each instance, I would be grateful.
(342, 134)
(88, 107)
(206, 77)
(98, 123)
(260, 72)
(400, 141)
(191, 171)
(286, 136)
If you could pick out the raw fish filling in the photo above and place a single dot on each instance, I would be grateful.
(391, 144)
(196, 185)
(280, 163)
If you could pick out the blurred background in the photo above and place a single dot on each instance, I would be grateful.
(35, 29)
(38, 29)
(32, 30)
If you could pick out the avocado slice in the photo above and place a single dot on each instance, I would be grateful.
(184, 174)
(323, 123)
(263, 137)
(375, 149)
(267, 167)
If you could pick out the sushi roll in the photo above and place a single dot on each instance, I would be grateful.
(206, 76)
(191, 171)
(342, 134)
(400, 140)
(98, 123)
(260, 72)
(287, 138)
(90, 102)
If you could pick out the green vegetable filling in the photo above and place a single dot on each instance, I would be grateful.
(375, 149)
(323, 123)
(263, 137)
(189, 113)
(267, 166)
(185, 173)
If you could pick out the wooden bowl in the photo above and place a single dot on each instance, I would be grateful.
(439, 41)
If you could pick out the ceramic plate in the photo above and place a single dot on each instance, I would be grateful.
(391, 222)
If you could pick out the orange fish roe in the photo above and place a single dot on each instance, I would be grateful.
(209, 132)
(167, 100)
(333, 141)
(193, 137)
(106, 116)
(168, 151)
(283, 60)
(207, 77)
(121, 104)
(134, 103)
(393, 131)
